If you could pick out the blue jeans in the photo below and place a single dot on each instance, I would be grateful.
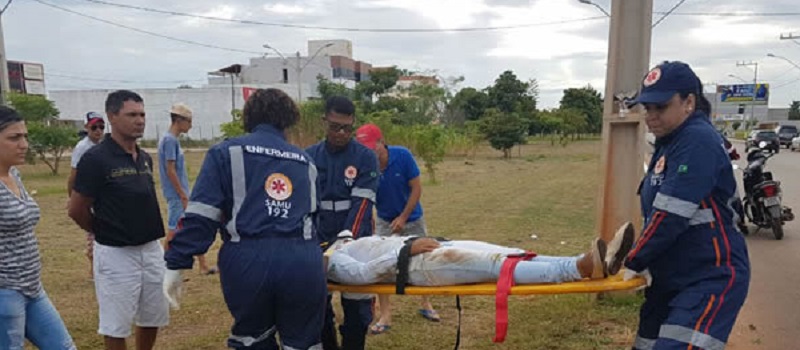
(464, 262)
(33, 318)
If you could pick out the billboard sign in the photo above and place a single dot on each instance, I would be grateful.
(33, 71)
(747, 93)
(34, 87)
(15, 79)
(26, 78)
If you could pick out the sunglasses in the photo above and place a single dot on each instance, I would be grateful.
(336, 127)
(98, 126)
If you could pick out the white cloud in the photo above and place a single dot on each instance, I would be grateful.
(444, 13)
(734, 31)
(285, 9)
(546, 42)
(558, 56)
(219, 11)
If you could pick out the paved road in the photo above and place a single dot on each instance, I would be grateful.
(770, 318)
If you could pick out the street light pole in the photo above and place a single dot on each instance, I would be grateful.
(785, 59)
(298, 67)
(755, 87)
(5, 87)
(737, 77)
(299, 73)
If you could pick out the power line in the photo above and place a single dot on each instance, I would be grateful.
(431, 30)
(733, 14)
(5, 7)
(185, 41)
(787, 83)
(668, 12)
(344, 29)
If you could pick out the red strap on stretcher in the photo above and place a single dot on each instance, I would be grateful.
(504, 283)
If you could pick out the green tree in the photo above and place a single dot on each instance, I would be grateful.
(431, 146)
(503, 130)
(309, 129)
(382, 80)
(33, 107)
(234, 127)
(794, 110)
(468, 104)
(588, 101)
(424, 104)
(389, 103)
(49, 140)
(328, 89)
(509, 94)
(550, 123)
(574, 121)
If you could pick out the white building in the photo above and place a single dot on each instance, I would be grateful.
(211, 106)
(330, 59)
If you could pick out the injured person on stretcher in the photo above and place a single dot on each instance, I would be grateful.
(374, 260)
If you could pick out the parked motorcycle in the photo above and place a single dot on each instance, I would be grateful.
(762, 203)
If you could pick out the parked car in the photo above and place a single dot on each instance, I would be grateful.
(768, 136)
(786, 133)
(795, 144)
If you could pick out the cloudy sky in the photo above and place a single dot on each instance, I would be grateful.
(79, 52)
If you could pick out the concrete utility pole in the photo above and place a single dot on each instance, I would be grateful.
(755, 86)
(298, 67)
(624, 144)
(299, 72)
(5, 87)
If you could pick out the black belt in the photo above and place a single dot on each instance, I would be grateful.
(403, 261)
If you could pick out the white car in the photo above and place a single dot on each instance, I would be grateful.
(795, 143)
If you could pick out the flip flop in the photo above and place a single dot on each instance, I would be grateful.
(430, 315)
(379, 328)
(211, 271)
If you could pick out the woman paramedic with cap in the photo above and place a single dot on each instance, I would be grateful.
(690, 246)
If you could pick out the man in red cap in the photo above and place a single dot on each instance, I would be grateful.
(398, 206)
(95, 127)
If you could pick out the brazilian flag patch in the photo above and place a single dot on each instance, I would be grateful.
(683, 169)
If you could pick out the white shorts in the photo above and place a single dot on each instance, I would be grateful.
(128, 282)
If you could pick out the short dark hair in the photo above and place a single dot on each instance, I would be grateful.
(341, 105)
(272, 107)
(8, 116)
(116, 99)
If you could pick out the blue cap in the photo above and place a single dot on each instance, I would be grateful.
(666, 80)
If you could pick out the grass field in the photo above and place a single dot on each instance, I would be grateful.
(544, 190)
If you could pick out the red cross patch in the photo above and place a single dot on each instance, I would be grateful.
(652, 77)
(350, 172)
(278, 186)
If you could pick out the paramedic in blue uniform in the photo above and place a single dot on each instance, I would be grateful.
(348, 180)
(260, 191)
(690, 245)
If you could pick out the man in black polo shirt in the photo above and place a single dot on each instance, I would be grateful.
(114, 197)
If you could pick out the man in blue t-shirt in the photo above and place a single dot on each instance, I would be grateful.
(397, 202)
(172, 170)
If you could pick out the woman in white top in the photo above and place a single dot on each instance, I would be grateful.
(25, 309)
